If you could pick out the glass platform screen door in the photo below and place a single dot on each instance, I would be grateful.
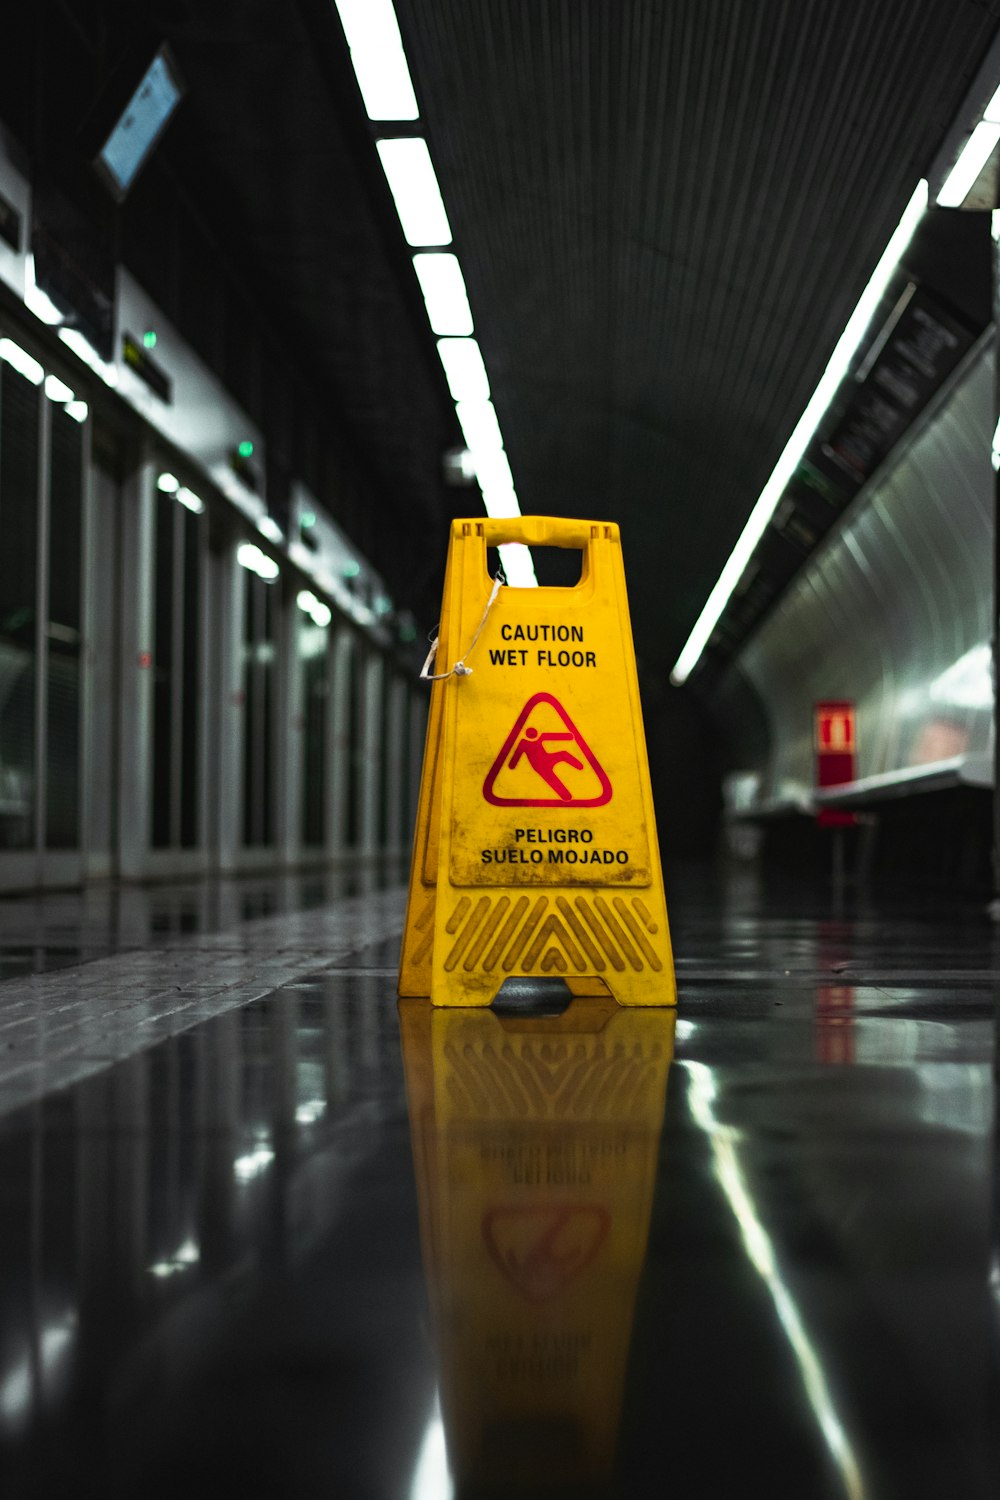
(43, 442)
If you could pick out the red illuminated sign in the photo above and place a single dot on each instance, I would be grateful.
(834, 731)
(835, 738)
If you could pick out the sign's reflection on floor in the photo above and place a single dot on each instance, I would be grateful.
(535, 1143)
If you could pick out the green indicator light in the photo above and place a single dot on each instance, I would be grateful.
(307, 519)
(149, 338)
(352, 569)
(245, 450)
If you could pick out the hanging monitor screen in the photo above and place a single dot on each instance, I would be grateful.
(140, 125)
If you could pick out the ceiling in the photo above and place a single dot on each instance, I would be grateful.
(665, 211)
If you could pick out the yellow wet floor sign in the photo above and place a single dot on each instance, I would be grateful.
(535, 850)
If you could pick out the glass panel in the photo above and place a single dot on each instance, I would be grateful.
(249, 706)
(102, 589)
(19, 408)
(62, 783)
(313, 655)
(177, 681)
(191, 686)
(355, 749)
(266, 655)
(386, 753)
(163, 669)
(258, 669)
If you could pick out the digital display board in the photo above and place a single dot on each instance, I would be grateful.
(140, 125)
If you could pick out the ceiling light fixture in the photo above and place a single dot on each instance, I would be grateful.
(84, 349)
(249, 556)
(964, 174)
(268, 526)
(20, 360)
(464, 369)
(492, 469)
(321, 614)
(519, 570)
(37, 301)
(802, 434)
(500, 504)
(190, 500)
(445, 297)
(478, 421)
(414, 187)
(57, 390)
(973, 157)
(372, 33)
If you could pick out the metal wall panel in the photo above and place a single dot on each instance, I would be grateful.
(892, 612)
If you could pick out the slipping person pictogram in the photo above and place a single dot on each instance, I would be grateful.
(543, 760)
(527, 747)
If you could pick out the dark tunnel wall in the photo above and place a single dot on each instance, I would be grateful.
(685, 767)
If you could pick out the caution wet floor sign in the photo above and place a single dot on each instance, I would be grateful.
(535, 850)
(549, 748)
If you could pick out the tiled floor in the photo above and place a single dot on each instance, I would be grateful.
(265, 1232)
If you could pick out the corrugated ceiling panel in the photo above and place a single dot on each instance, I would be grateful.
(665, 213)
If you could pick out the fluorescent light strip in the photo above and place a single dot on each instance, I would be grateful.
(372, 33)
(464, 370)
(37, 301)
(83, 349)
(268, 526)
(189, 499)
(320, 613)
(519, 570)
(57, 390)
(499, 503)
(445, 297)
(492, 469)
(414, 186)
(20, 360)
(249, 556)
(976, 153)
(802, 435)
(478, 421)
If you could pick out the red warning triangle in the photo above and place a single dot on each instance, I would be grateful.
(546, 762)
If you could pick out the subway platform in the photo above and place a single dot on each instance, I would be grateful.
(265, 1231)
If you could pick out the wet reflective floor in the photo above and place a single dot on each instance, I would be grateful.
(307, 1241)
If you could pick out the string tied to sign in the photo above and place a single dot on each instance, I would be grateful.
(460, 669)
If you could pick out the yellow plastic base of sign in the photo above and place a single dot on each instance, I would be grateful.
(535, 851)
(536, 1144)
